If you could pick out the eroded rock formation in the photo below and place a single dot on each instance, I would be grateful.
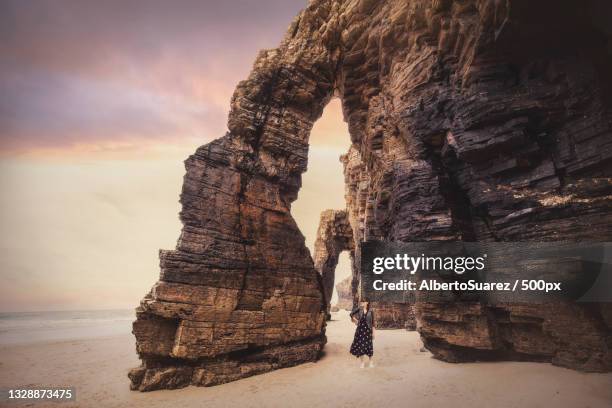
(345, 295)
(239, 295)
(489, 123)
(469, 120)
(334, 235)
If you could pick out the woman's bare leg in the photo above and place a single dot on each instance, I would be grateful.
(371, 360)
(362, 359)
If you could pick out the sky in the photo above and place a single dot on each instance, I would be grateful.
(100, 103)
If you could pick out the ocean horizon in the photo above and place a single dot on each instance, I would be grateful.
(43, 326)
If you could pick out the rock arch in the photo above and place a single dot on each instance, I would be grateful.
(467, 121)
(334, 236)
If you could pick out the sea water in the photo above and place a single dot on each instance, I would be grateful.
(32, 327)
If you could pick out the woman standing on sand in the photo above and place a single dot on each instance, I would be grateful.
(362, 343)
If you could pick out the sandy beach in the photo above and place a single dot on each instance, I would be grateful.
(404, 376)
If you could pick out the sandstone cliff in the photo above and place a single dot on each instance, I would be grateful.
(473, 120)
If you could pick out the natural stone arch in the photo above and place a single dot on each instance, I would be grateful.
(239, 295)
(334, 236)
(456, 134)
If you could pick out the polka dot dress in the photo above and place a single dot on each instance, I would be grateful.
(362, 343)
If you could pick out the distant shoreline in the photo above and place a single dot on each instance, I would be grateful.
(2, 313)
(36, 327)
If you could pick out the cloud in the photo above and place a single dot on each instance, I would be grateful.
(48, 111)
(76, 73)
(98, 83)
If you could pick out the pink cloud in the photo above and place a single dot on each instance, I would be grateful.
(77, 73)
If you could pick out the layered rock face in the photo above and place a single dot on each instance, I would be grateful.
(469, 120)
(334, 235)
(345, 295)
(485, 121)
(239, 295)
